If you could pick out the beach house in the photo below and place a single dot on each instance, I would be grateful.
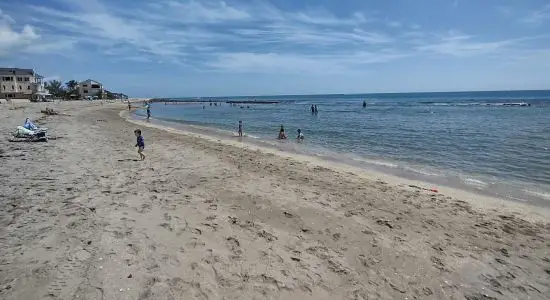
(90, 89)
(16, 83)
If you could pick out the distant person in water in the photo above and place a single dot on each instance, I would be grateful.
(316, 111)
(300, 136)
(364, 103)
(240, 128)
(282, 135)
(148, 106)
(312, 109)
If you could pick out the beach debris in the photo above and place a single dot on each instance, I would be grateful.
(130, 276)
(424, 189)
(384, 222)
(49, 111)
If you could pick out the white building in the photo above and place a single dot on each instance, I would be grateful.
(18, 83)
(90, 88)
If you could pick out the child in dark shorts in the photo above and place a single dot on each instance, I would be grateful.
(240, 128)
(140, 143)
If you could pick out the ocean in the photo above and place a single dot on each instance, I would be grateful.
(495, 143)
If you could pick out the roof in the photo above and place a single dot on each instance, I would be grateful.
(89, 81)
(16, 71)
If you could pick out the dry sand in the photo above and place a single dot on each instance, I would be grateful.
(81, 218)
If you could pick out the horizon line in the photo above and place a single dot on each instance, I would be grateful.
(375, 93)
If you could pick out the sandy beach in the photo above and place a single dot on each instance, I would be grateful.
(202, 218)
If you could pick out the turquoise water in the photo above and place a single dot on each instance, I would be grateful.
(479, 140)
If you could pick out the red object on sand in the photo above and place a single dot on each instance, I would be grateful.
(434, 190)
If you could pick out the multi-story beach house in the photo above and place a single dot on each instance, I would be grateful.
(90, 88)
(18, 83)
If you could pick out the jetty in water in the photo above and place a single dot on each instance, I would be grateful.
(188, 101)
(251, 102)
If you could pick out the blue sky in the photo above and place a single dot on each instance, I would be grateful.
(259, 47)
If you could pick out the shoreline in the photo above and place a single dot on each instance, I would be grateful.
(530, 211)
(82, 217)
(447, 173)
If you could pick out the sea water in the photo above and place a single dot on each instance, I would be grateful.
(493, 142)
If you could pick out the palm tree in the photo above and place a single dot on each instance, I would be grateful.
(71, 85)
(55, 87)
(71, 88)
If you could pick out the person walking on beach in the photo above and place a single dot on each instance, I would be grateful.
(140, 143)
(148, 106)
(240, 128)
(129, 105)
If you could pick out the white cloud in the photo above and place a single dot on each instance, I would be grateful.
(172, 30)
(202, 11)
(245, 37)
(539, 16)
(13, 40)
(292, 63)
(457, 44)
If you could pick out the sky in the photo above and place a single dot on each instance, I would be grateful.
(171, 48)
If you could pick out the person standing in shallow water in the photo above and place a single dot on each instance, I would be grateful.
(148, 111)
(240, 128)
(300, 136)
(282, 135)
(312, 109)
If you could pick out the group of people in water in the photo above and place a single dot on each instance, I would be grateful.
(282, 135)
(314, 109)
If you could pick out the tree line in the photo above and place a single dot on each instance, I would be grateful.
(58, 89)
(68, 89)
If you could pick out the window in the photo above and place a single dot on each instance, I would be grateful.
(13, 87)
(95, 86)
(19, 78)
(85, 91)
(84, 85)
(28, 87)
(6, 78)
(19, 87)
(26, 78)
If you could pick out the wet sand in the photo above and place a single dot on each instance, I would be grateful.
(82, 218)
